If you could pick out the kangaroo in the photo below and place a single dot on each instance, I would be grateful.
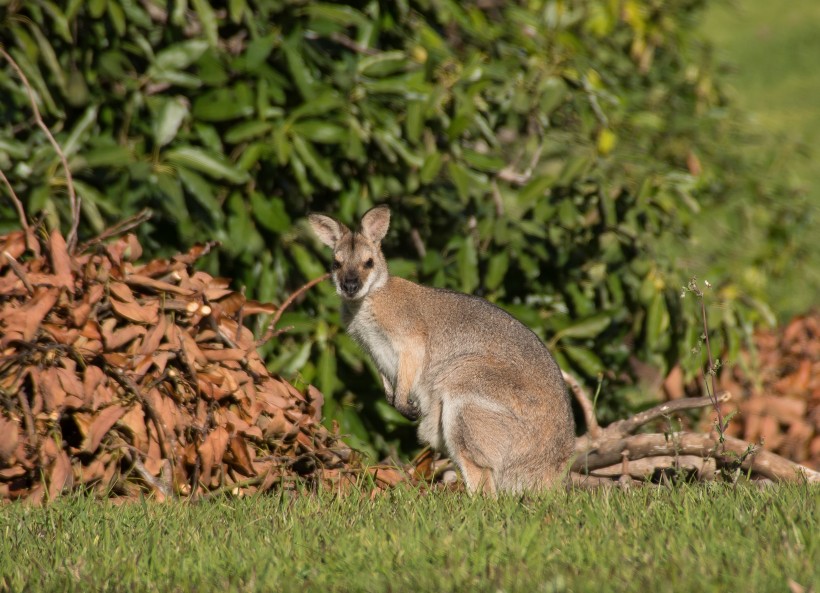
(485, 388)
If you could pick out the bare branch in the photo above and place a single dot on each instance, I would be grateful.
(288, 302)
(74, 201)
(593, 428)
(18, 205)
(765, 463)
(510, 175)
(19, 271)
(118, 229)
(641, 468)
(627, 426)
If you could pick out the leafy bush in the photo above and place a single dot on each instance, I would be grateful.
(540, 154)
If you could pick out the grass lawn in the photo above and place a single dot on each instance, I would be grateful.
(708, 537)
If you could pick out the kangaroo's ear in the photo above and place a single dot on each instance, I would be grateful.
(327, 229)
(375, 223)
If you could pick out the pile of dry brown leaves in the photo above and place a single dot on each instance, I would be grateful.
(126, 378)
(780, 402)
(775, 388)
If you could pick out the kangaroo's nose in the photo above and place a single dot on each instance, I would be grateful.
(351, 284)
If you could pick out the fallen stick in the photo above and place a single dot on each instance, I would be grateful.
(765, 463)
(640, 469)
(621, 428)
(593, 428)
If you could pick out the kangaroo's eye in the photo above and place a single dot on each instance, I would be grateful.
(369, 263)
(336, 264)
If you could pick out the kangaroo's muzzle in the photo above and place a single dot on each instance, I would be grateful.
(350, 285)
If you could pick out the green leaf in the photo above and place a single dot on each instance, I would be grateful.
(247, 130)
(589, 327)
(344, 15)
(584, 359)
(319, 166)
(80, 130)
(300, 72)
(657, 321)
(165, 124)
(270, 212)
(180, 55)
(224, 104)
(467, 265)
(326, 371)
(383, 64)
(321, 131)
(307, 264)
(201, 191)
(207, 18)
(496, 270)
(206, 162)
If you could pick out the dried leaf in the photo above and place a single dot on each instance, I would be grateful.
(133, 421)
(121, 337)
(212, 450)
(60, 260)
(100, 426)
(48, 384)
(135, 312)
(222, 354)
(154, 336)
(8, 440)
(140, 281)
(239, 457)
(122, 292)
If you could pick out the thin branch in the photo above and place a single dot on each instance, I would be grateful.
(641, 468)
(288, 301)
(74, 201)
(732, 450)
(593, 428)
(593, 102)
(19, 271)
(625, 427)
(345, 41)
(118, 229)
(713, 392)
(18, 205)
(510, 175)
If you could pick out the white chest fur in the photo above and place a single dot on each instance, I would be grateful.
(363, 327)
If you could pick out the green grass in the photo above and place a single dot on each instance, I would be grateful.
(694, 538)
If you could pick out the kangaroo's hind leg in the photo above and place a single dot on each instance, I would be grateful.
(477, 437)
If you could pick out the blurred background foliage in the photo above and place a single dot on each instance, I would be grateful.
(554, 157)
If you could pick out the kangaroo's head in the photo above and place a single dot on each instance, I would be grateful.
(358, 263)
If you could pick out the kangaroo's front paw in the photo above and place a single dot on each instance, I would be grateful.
(409, 409)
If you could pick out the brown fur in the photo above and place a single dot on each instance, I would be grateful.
(485, 388)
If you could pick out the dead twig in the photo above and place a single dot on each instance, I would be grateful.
(118, 229)
(19, 271)
(510, 175)
(74, 202)
(731, 451)
(18, 205)
(288, 302)
(629, 425)
(593, 428)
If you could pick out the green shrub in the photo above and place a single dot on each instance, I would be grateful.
(541, 154)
